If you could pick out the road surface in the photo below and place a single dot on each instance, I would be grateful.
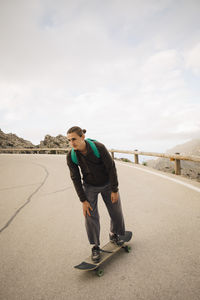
(42, 234)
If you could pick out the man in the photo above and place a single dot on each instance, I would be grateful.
(98, 176)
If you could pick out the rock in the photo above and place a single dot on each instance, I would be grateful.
(60, 141)
(11, 140)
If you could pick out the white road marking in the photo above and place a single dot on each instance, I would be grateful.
(190, 186)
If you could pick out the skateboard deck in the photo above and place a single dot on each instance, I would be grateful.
(106, 251)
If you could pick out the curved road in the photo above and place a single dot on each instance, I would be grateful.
(42, 234)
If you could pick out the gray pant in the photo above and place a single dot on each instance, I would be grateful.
(114, 209)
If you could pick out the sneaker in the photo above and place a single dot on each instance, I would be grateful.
(114, 238)
(95, 254)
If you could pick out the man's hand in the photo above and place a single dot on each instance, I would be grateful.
(114, 197)
(86, 208)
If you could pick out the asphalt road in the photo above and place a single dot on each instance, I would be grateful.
(42, 234)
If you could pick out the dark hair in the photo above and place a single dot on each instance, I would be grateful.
(76, 129)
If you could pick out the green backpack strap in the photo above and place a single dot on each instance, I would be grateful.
(74, 157)
(92, 145)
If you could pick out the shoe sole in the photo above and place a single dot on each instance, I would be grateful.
(118, 244)
(96, 260)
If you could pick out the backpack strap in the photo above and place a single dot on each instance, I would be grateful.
(74, 157)
(92, 145)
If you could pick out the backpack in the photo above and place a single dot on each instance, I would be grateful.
(92, 145)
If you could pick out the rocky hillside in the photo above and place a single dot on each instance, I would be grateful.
(188, 169)
(10, 140)
(60, 141)
(190, 148)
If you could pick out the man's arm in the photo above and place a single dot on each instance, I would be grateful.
(109, 165)
(76, 178)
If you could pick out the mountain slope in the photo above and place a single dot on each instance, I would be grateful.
(189, 169)
(10, 140)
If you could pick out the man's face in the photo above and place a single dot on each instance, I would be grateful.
(75, 140)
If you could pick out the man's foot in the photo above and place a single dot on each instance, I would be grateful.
(95, 254)
(114, 238)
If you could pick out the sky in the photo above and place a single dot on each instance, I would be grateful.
(126, 71)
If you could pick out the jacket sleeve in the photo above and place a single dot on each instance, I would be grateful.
(76, 178)
(109, 165)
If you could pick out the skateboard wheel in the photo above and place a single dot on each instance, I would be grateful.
(99, 272)
(127, 248)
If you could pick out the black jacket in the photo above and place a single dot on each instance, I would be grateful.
(95, 171)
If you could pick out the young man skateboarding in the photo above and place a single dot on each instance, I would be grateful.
(98, 176)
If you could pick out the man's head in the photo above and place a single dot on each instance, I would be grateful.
(76, 137)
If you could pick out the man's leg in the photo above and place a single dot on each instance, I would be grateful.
(115, 211)
(92, 222)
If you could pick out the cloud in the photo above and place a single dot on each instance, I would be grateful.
(193, 59)
(163, 71)
(122, 70)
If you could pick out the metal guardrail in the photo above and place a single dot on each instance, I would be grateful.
(173, 157)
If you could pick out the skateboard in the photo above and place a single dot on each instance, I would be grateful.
(107, 251)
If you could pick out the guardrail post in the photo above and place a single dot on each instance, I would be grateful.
(177, 165)
(136, 157)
